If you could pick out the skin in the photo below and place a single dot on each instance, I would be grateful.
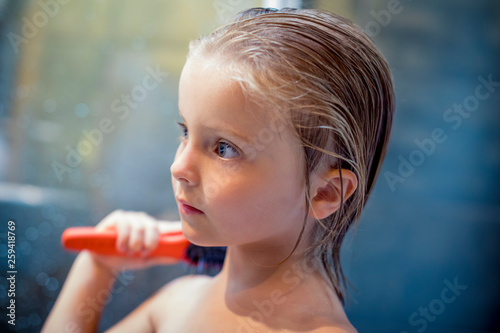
(246, 199)
(247, 196)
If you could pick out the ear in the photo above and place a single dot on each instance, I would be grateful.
(326, 190)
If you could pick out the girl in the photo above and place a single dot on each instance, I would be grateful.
(285, 121)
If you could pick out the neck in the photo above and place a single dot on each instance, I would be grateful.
(249, 275)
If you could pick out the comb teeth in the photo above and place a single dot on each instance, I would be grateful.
(205, 259)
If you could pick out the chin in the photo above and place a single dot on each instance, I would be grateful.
(198, 237)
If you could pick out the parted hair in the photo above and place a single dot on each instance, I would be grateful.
(333, 86)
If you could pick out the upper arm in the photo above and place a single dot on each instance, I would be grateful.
(150, 315)
(139, 320)
(142, 319)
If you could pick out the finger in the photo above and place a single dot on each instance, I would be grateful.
(136, 239)
(110, 221)
(151, 234)
(169, 226)
(124, 230)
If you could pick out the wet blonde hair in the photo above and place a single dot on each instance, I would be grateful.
(330, 82)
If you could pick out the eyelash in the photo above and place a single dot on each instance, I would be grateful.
(218, 145)
(184, 129)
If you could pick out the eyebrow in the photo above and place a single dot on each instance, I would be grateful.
(226, 128)
(223, 127)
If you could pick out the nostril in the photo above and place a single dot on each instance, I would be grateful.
(176, 172)
(183, 168)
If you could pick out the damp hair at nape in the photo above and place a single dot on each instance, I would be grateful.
(331, 83)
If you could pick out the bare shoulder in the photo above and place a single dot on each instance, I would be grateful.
(330, 325)
(336, 329)
(176, 297)
(179, 285)
(181, 288)
(314, 307)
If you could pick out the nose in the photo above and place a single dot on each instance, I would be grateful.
(184, 167)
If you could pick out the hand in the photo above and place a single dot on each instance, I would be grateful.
(137, 234)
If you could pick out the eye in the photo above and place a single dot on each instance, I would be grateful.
(225, 150)
(184, 130)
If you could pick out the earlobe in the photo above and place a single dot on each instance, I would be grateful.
(329, 191)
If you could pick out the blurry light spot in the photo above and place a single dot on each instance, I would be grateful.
(52, 284)
(34, 319)
(82, 110)
(31, 234)
(48, 211)
(22, 322)
(41, 278)
(49, 105)
(49, 294)
(25, 248)
(45, 229)
(59, 220)
(138, 43)
(50, 266)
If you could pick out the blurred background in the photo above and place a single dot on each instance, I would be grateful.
(88, 103)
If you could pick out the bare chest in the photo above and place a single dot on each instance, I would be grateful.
(207, 317)
(214, 316)
(205, 310)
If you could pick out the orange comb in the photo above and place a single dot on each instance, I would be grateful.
(172, 244)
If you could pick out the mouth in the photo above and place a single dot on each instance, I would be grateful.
(186, 209)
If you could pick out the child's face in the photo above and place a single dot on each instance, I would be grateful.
(239, 169)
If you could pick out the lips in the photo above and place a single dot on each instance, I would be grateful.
(186, 209)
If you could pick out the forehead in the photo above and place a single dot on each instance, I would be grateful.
(210, 93)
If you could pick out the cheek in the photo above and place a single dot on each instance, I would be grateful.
(174, 185)
(252, 199)
(174, 181)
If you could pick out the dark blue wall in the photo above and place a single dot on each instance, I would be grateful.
(433, 218)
